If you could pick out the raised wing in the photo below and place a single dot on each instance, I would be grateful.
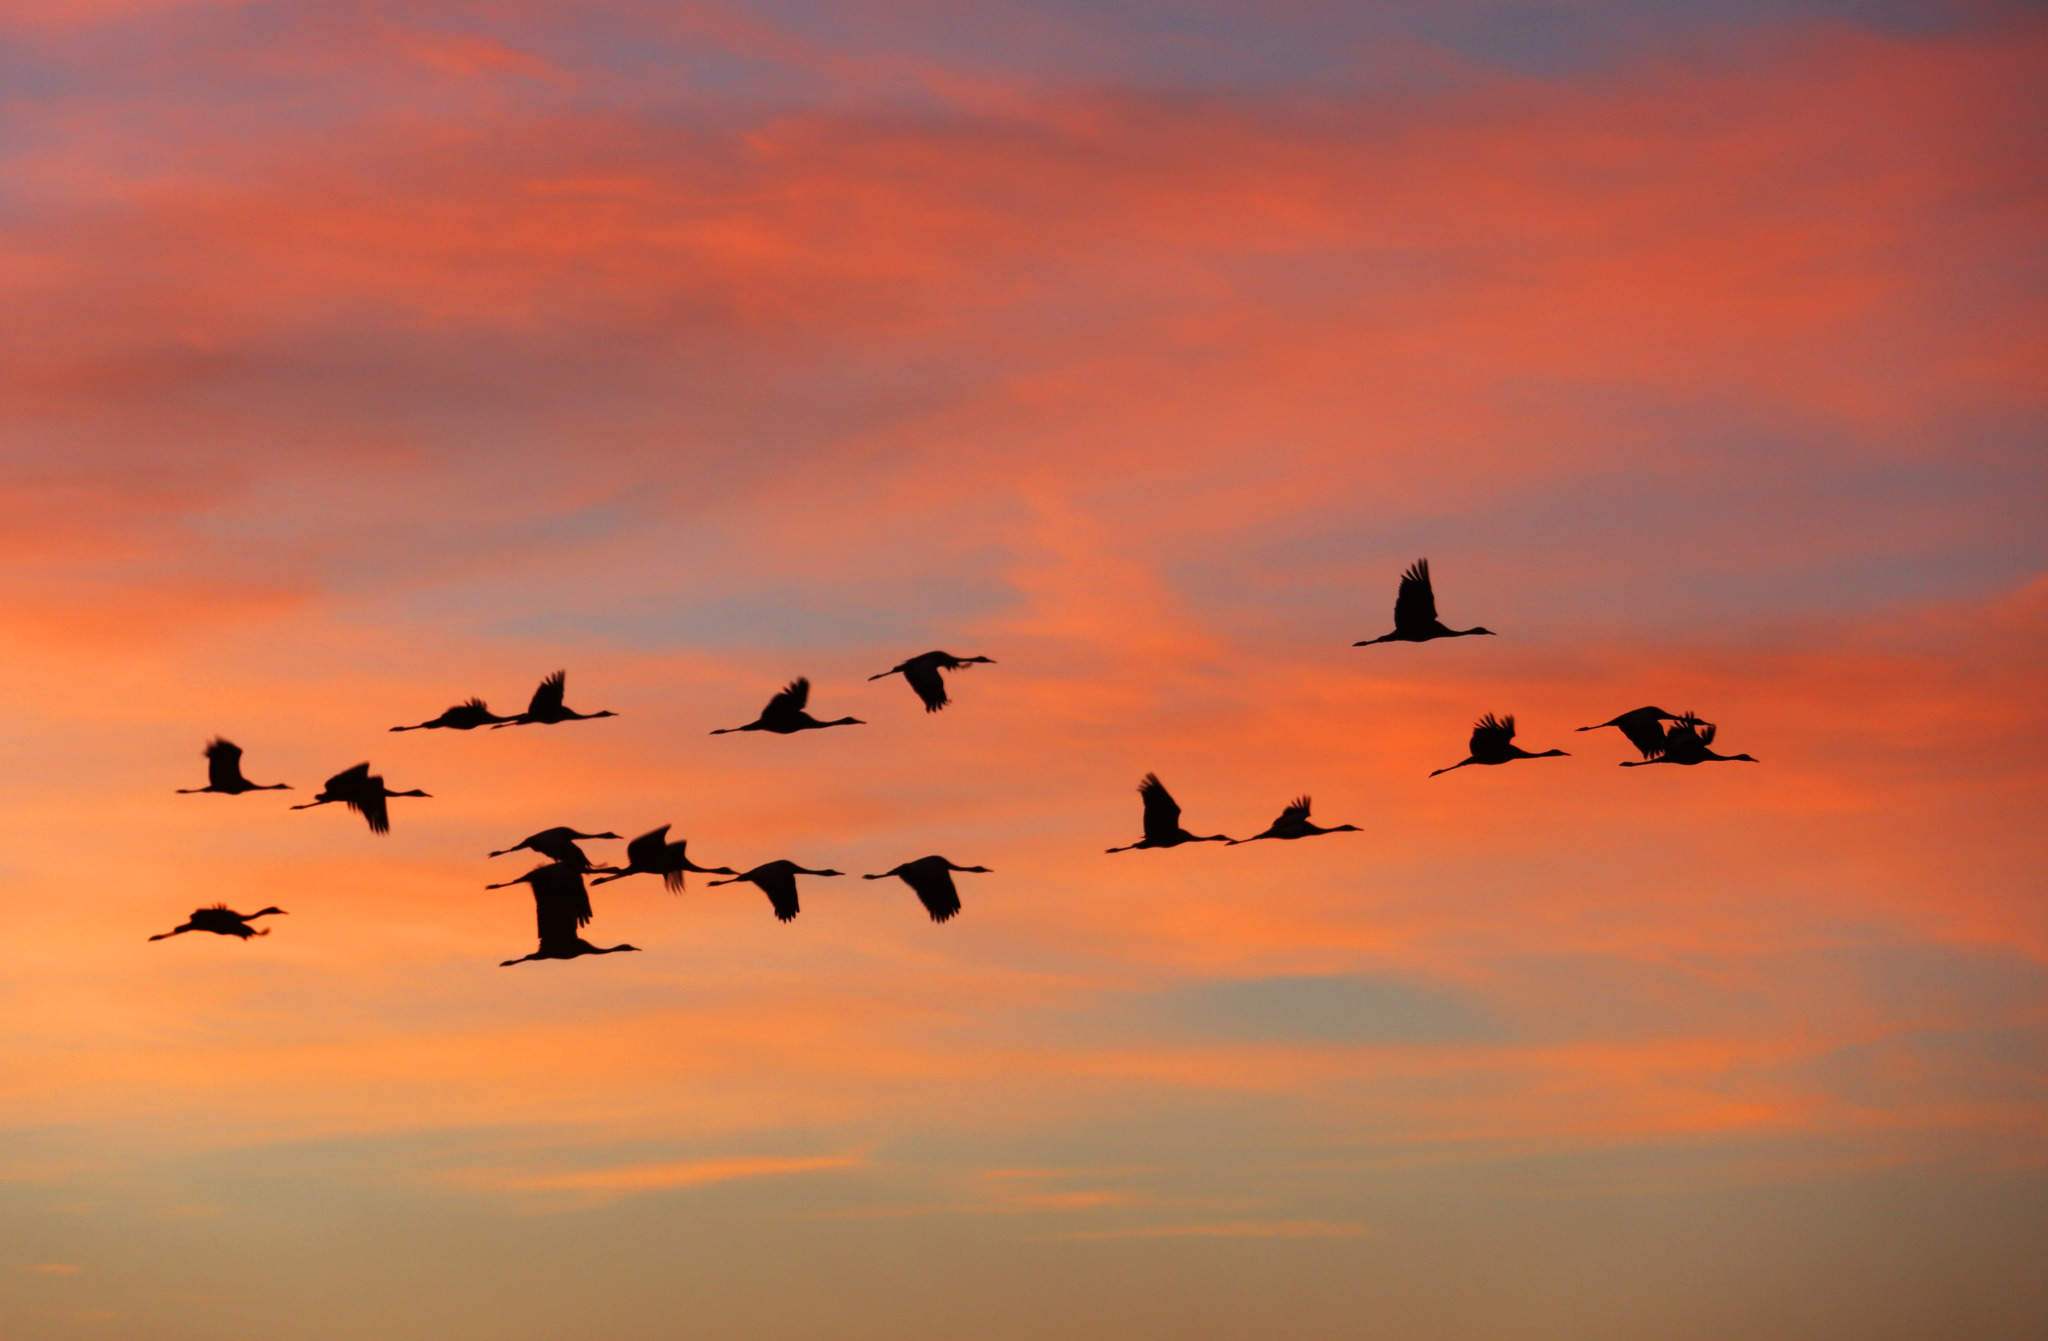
(792, 699)
(1415, 604)
(352, 779)
(650, 850)
(223, 763)
(1492, 734)
(1297, 813)
(1162, 812)
(924, 677)
(548, 698)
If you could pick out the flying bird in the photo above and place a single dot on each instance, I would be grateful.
(1686, 743)
(785, 713)
(931, 878)
(923, 674)
(1644, 728)
(652, 854)
(559, 844)
(1493, 743)
(462, 717)
(1415, 618)
(222, 920)
(360, 792)
(545, 708)
(1294, 823)
(561, 908)
(1162, 819)
(224, 772)
(776, 879)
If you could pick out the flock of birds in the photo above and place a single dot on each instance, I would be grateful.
(561, 894)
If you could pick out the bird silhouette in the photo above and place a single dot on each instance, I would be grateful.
(785, 713)
(1415, 618)
(559, 844)
(652, 854)
(1162, 819)
(222, 920)
(561, 908)
(224, 772)
(923, 674)
(776, 879)
(1686, 743)
(1294, 823)
(1645, 728)
(462, 717)
(545, 708)
(361, 792)
(932, 880)
(1493, 743)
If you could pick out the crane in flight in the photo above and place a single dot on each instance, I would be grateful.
(931, 879)
(222, 920)
(1162, 819)
(464, 716)
(224, 772)
(1295, 823)
(785, 714)
(1415, 618)
(559, 844)
(1493, 743)
(561, 909)
(776, 879)
(361, 791)
(922, 673)
(1644, 728)
(652, 854)
(1686, 743)
(545, 708)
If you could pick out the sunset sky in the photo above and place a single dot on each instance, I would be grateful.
(360, 357)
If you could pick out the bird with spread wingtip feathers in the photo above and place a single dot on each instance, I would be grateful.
(224, 772)
(922, 672)
(1493, 743)
(1415, 618)
(222, 920)
(931, 879)
(464, 716)
(361, 792)
(1162, 819)
(1686, 743)
(559, 844)
(785, 713)
(652, 854)
(1644, 728)
(545, 708)
(561, 908)
(776, 879)
(1295, 823)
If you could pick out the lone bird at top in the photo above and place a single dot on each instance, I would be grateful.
(1295, 823)
(1644, 728)
(776, 879)
(224, 772)
(652, 854)
(466, 716)
(785, 714)
(361, 792)
(1493, 743)
(923, 674)
(561, 908)
(931, 879)
(545, 708)
(222, 920)
(1686, 743)
(559, 844)
(1415, 618)
(1162, 820)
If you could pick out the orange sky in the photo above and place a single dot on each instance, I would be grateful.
(364, 358)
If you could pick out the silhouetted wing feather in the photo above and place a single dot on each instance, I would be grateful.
(371, 806)
(1644, 729)
(934, 887)
(1162, 812)
(792, 698)
(780, 887)
(351, 779)
(548, 698)
(1415, 603)
(1491, 732)
(650, 850)
(924, 677)
(1296, 813)
(223, 763)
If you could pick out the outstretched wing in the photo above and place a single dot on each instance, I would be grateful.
(649, 850)
(1492, 733)
(351, 780)
(223, 762)
(1645, 730)
(780, 887)
(548, 698)
(1296, 813)
(934, 886)
(1415, 603)
(370, 804)
(1162, 812)
(793, 697)
(924, 677)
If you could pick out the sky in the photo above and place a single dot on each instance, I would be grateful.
(362, 357)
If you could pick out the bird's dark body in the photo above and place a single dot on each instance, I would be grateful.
(1295, 823)
(361, 791)
(1415, 618)
(931, 879)
(545, 708)
(922, 674)
(224, 772)
(222, 920)
(467, 716)
(1493, 743)
(785, 715)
